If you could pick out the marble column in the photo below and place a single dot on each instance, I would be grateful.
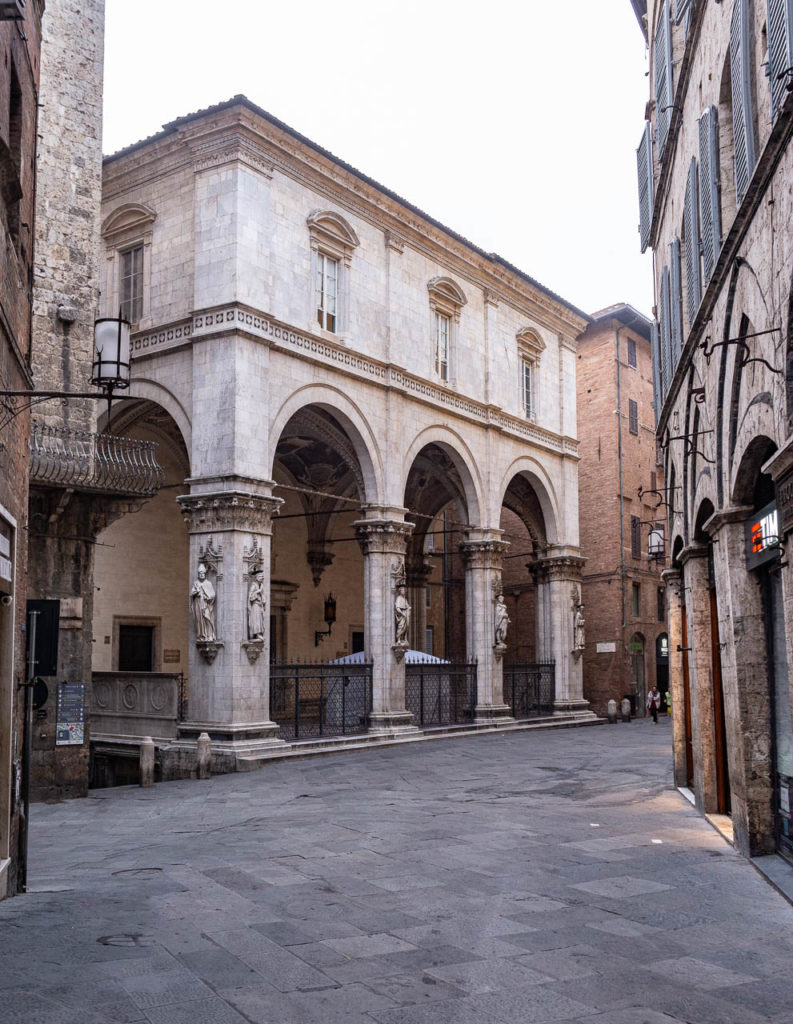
(383, 536)
(482, 553)
(674, 619)
(417, 575)
(542, 617)
(562, 596)
(230, 542)
(745, 683)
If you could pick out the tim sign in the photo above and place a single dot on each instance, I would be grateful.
(762, 537)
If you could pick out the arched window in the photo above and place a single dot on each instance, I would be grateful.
(446, 302)
(333, 242)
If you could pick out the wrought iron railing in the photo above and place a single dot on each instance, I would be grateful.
(318, 699)
(440, 693)
(64, 457)
(529, 688)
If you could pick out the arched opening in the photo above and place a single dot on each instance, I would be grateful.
(638, 695)
(316, 598)
(142, 561)
(528, 668)
(662, 668)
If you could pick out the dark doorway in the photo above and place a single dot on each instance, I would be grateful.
(136, 648)
(662, 669)
(356, 639)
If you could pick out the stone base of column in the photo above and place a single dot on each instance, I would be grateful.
(493, 714)
(572, 709)
(233, 738)
(391, 723)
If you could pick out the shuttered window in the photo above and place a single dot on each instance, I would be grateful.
(780, 50)
(676, 300)
(684, 10)
(666, 333)
(644, 166)
(709, 203)
(662, 64)
(691, 228)
(742, 109)
(658, 399)
(633, 416)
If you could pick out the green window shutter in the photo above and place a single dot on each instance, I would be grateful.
(742, 110)
(666, 332)
(658, 400)
(780, 51)
(709, 204)
(644, 166)
(693, 242)
(662, 65)
(676, 300)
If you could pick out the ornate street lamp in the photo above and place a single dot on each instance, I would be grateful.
(110, 369)
(330, 618)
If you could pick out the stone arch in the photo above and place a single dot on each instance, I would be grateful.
(677, 546)
(332, 227)
(704, 511)
(347, 414)
(749, 470)
(537, 476)
(455, 447)
(156, 393)
(447, 292)
(127, 217)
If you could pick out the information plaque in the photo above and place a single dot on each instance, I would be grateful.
(70, 721)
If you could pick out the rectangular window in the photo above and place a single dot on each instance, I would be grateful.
(135, 648)
(327, 291)
(653, 480)
(527, 384)
(428, 597)
(636, 537)
(636, 596)
(430, 542)
(429, 639)
(661, 604)
(633, 416)
(632, 353)
(131, 284)
(442, 330)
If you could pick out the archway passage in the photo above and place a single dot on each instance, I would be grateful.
(316, 599)
(528, 673)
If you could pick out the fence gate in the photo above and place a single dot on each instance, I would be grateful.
(529, 688)
(318, 699)
(440, 693)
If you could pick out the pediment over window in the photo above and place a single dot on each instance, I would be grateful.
(530, 344)
(332, 233)
(129, 219)
(445, 292)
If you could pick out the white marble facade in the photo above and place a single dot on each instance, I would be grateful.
(234, 213)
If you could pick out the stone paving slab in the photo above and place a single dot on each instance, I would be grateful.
(524, 877)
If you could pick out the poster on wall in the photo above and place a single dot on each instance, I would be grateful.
(70, 721)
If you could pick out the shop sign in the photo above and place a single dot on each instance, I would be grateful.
(70, 720)
(606, 648)
(6, 565)
(762, 537)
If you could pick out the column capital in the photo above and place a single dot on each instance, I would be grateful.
(417, 572)
(484, 552)
(557, 567)
(692, 552)
(383, 536)
(223, 511)
(726, 516)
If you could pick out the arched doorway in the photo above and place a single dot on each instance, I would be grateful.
(662, 669)
(638, 694)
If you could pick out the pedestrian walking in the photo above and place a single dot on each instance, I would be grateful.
(654, 703)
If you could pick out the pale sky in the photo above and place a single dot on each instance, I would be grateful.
(513, 123)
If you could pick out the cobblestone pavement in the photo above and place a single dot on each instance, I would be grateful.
(526, 877)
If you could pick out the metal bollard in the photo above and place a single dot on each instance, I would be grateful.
(626, 709)
(203, 756)
(612, 711)
(146, 755)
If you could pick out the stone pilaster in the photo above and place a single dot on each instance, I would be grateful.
(483, 552)
(561, 575)
(674, 618)
(743, 639)
(230, 536)
(383, 536)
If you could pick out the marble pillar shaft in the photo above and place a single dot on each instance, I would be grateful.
(483, 560)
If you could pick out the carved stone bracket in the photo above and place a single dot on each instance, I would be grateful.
(208, 649)
(229, 510)
(499, 650)
(400, 649)
(253, 648)
(318, 558)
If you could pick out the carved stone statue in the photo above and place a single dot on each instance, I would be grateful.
(579, 627)
(401, 616)
(202, 600)
(502, 620)
(256, 605)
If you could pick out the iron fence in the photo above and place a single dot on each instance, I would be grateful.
(529, 688)
(65, 457)
(440, 693)
(318, 699)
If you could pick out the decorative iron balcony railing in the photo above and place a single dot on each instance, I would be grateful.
(63, 457)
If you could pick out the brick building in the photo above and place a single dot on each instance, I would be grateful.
(715, 169)
(20, 46)
(627, 646)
